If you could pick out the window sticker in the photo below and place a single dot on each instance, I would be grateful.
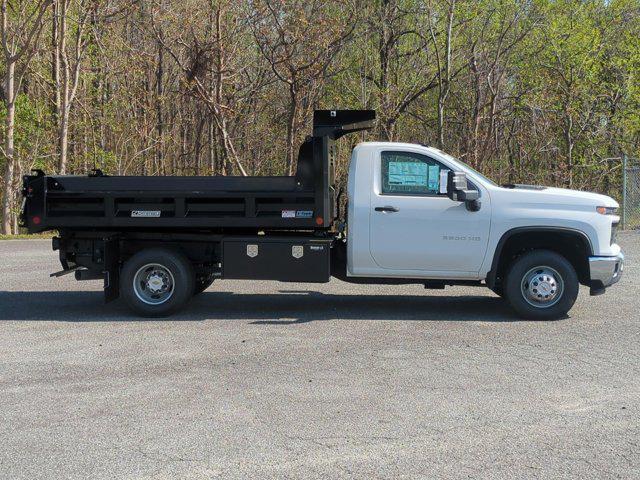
(434, 174)
(408, 173)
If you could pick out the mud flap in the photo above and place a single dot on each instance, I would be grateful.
(111, 269)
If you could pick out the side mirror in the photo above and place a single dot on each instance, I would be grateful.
(458, 191)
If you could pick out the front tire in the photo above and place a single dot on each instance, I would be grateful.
(541, 285)
(157, 282)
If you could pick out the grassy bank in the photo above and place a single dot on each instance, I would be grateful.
(23, 236)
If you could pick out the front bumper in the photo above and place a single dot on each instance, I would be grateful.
(605, 271)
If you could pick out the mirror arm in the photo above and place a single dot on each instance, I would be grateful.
(470, 199)
(473, 205)
(467, 195)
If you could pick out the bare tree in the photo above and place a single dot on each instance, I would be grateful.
(404, 72)
(491, 44)
(68, 53)
(300, 45)
(443, 61)
(20, 27)
(213, 70)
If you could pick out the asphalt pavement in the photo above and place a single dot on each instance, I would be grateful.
(285, 381)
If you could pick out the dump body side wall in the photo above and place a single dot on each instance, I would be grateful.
(219, 204)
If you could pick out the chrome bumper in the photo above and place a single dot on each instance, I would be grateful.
(605, 271)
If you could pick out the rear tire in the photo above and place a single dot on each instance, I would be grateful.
(541, 285)
(157, 282)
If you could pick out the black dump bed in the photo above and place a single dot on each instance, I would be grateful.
(304, 201)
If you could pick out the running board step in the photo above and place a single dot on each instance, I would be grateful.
(64, 272)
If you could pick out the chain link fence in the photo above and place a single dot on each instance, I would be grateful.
(630, 193)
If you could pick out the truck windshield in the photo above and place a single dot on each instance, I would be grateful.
(467, 166)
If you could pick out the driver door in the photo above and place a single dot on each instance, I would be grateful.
(415, 229)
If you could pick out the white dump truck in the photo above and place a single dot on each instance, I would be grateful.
(415, 215)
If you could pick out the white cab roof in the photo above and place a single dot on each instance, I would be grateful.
(399, 145)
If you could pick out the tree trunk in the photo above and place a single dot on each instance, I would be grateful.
(445, 83)
(569, 143)
(441, 122)
(383, 80)
(63, 91)
(16, 199)
(55, 63)
(159, 112)
(197, 149)
(291, 130)
(472, 145)
(213, 154)
(63, 139)
(70, 73)
(7, 199)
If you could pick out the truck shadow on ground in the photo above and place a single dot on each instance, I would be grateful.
(284, 308)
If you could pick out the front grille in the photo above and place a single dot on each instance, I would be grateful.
(614, 233)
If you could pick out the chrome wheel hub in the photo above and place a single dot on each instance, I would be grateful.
(153, 284)
(542, 287)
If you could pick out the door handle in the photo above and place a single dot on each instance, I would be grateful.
(387, 209)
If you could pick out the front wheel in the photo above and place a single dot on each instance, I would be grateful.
(541, 285)
(157, 282)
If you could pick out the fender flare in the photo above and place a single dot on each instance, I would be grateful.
(491, 276)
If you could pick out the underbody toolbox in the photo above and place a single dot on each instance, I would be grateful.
(288, 259)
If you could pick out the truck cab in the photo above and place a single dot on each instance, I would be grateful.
(404, 221)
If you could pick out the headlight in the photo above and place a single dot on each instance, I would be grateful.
(606, 210)
(614, 233)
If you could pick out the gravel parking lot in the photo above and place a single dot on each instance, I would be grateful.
(273, 380)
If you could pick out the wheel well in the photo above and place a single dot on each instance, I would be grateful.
(196, 252)
(572, 245)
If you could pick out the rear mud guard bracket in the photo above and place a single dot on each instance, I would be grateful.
(111, 269)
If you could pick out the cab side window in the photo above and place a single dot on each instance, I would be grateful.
(406, 173)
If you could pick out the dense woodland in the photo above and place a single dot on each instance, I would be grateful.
(530, 91)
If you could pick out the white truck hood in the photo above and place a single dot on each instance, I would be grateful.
(564, 196)
(596, 198)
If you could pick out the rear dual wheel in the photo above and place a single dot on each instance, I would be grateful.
(157, 282)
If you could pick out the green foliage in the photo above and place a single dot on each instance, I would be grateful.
(32, 131)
